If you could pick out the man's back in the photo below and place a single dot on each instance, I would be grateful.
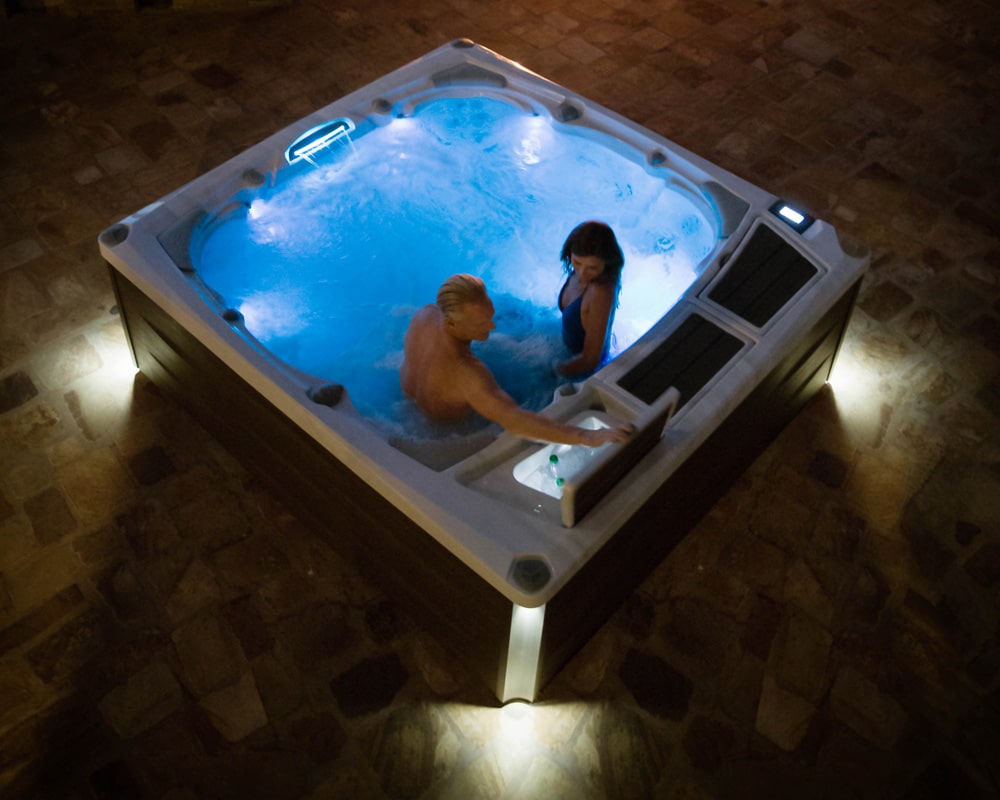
(436, 367)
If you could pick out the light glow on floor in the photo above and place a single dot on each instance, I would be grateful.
(119, 374)
(521, 749)
(858, 393)
(115, 380)
(852, 382)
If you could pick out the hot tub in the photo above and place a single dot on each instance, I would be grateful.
(510, 564)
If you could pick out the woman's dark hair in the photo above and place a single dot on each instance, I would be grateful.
(594, 239)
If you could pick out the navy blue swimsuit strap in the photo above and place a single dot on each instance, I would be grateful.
(572, 323)
(562, 291)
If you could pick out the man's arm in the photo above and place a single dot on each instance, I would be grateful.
(492, 402)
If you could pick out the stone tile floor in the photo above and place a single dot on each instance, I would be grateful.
(830, 629)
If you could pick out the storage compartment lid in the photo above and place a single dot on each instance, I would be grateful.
(687, 359)
(763, 277)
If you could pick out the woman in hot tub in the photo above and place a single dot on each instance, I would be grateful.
(593, 261)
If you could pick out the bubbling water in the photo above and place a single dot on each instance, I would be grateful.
(329, 269)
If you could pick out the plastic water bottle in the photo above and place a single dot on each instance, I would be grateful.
(554, 470)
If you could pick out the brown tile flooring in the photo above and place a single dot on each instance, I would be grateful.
(829, 630)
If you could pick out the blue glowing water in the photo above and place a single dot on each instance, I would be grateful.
(329, 268)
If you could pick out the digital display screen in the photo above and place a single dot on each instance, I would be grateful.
(798, 220)
(791, 215)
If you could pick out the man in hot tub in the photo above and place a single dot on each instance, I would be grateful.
(447, 382)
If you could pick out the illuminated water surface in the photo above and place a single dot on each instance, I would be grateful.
(329, 268)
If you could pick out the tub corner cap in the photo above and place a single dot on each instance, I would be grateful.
(116, 234)
(853, 246)
(530, 573)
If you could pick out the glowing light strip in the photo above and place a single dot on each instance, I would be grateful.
(521, 679)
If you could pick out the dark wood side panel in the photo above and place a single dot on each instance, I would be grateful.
(443, 595)
(604, 583)
(467, 615)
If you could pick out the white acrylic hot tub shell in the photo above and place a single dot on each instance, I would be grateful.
(466, 507)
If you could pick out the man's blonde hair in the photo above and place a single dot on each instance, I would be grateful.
(457, 292)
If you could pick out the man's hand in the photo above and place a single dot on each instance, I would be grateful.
(605, 435)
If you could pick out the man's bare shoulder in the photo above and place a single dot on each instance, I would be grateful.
(425, 316)
(423, 332)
